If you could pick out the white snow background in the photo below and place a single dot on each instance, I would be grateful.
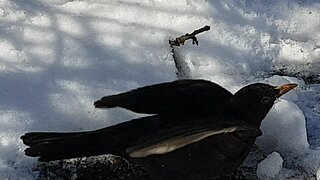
(58, 56)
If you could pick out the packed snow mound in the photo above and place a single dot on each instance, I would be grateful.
(285, 131)
(287, 125)
(270, 167)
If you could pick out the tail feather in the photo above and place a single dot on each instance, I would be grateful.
(109, 140)
(33, 138)
(108, 102)
(55, 146)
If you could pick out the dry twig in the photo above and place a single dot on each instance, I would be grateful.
(180, 40)
(183, 70)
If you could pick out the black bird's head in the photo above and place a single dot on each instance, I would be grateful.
(253, 102)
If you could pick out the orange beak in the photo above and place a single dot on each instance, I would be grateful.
(285, 88)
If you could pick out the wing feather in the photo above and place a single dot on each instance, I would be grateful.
(173, 139)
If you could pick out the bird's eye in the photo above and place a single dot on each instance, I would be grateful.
(265, 100)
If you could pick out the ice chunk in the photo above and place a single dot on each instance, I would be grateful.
(270, 167)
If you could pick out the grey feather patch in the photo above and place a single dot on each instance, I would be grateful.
(171, 144)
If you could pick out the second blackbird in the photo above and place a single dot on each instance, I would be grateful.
(182, 97)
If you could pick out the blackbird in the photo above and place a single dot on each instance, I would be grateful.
(170, 145)
(181, 97)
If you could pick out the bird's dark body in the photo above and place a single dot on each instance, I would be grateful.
(201, 130)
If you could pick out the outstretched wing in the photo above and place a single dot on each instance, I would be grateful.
(183, 97)
(168, 140)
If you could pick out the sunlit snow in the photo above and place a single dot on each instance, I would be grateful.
(58, 56)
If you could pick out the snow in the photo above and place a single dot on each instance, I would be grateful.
(58, 56)
(270, 167)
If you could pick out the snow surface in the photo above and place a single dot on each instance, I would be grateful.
(58, 56)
